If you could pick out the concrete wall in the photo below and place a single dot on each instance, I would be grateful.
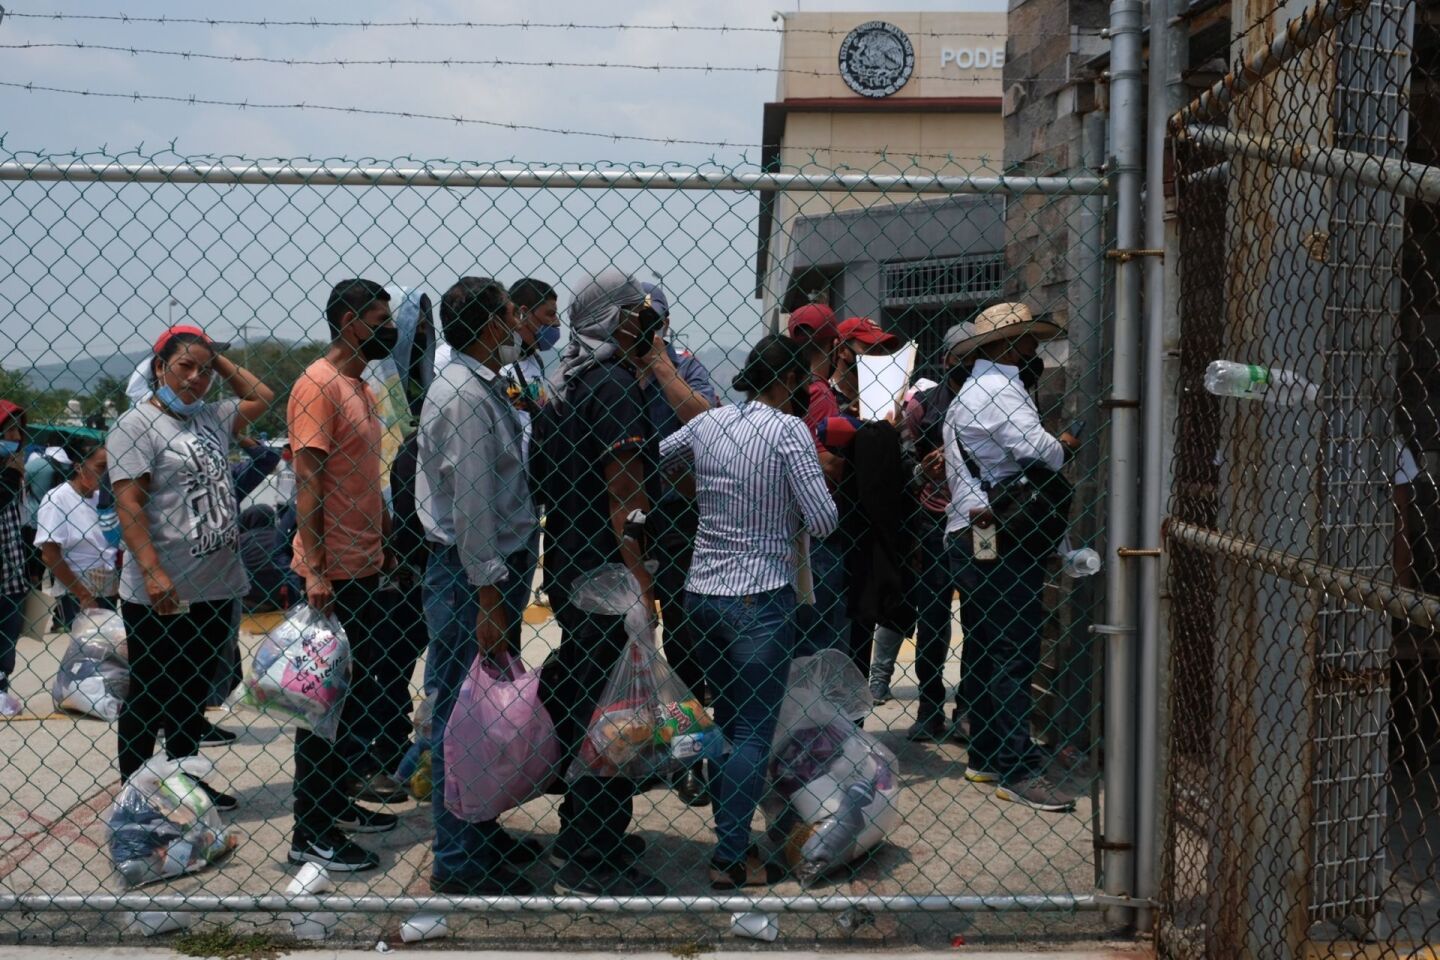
(812, 43)
(861, 242)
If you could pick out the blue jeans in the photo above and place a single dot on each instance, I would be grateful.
(744, 646)
(825, 625)
(12, 609)
(1002, 611)
(451, 609)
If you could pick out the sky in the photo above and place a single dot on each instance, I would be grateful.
(91, 268)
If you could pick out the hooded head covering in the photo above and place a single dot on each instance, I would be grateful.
(594, 316)
(414, 360)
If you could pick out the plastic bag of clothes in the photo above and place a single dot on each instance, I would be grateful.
(500, 745)
(163, 825)
(94, 674)
(833, 787)
(301, 671)
(648, 723)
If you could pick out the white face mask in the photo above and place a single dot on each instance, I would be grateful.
(510, 352)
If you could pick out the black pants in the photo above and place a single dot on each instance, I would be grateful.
(595, 812)
(322, 767)
(172, 665)
(672, 542)
(406, 638)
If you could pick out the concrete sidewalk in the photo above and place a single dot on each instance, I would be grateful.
(156, 953)
(956, 839)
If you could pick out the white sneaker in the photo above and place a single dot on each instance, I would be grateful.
(10, 705)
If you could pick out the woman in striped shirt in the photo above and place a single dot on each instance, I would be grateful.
(758, 483)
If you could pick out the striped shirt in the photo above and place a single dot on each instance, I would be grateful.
(757, 480)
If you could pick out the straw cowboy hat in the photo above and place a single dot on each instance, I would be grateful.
(1004, 321)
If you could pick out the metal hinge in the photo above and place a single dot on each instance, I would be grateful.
(1125, 256)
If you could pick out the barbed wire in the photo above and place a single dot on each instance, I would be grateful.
(195, 100)
(416, 23)
(462, 62)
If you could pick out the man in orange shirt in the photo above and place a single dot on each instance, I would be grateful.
(335, 433)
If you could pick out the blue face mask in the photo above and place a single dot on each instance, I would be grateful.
(8, 448)
(546, 338)
(171, 401)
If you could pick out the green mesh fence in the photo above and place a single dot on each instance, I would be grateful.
(856, 730)
(1302, 783)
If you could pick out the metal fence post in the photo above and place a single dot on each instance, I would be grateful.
(1168, 53)
(1126, 145)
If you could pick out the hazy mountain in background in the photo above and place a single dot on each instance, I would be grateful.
(79, 374)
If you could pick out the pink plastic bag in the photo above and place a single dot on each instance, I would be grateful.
(500, 745)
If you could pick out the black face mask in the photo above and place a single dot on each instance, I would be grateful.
(381, 342)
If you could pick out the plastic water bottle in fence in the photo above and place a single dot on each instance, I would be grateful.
(1282, 388)
(1081, 563)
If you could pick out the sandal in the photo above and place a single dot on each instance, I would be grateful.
(751, 872)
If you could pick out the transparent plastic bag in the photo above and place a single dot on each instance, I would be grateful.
(163, 825)
(301, 671)
(647, 724)
(94, 674)
(833, 787)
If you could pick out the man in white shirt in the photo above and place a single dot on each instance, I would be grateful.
(993, 434)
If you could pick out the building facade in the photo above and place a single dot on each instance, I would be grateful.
(885, 94)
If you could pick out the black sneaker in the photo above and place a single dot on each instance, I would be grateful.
(498, 882)
(960, 729)
(517, 850)
(930, 730)
(222, 801)
(880, 695)
(217, 736)
(360, 820)
(1037, 793)
(335, 852)
(632, 848)
(377, 788)
(598, 879)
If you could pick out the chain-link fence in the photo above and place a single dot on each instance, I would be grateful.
(283, 491)
(1302, 779)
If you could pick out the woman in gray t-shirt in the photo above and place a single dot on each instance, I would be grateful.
(169, 463)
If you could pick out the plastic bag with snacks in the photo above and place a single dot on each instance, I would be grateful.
(94, 674)
(648, 723)
(833, 787)
(163, 824)
(301, 671)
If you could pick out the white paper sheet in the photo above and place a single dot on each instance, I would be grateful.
(883, 380)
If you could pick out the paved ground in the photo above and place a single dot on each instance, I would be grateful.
(1115, 952)
(956, 839)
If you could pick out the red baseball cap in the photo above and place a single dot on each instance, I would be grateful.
(219, 346)
(868, 332)
(816, 319)
(10, 410)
